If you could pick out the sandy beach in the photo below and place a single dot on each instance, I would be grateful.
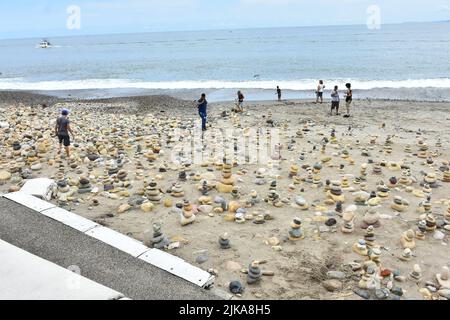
(123, 145)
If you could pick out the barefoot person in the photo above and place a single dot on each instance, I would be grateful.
(348, 99)
(335, 100)
(279, 93)
(62, 129)
(240, 102)
(319, 91)
(201, 105)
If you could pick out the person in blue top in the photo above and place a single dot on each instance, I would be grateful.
(201, 105)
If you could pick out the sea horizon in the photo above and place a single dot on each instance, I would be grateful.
(94, 34)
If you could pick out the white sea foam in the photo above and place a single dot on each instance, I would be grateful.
(300, 85)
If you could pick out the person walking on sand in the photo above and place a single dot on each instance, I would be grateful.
(348, 99)
(240, 101)
(335, 100)
(319, 91)
(201, 105)
(62, 129)
(279, 93)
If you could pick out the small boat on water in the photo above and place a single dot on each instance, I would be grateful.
(45, 44)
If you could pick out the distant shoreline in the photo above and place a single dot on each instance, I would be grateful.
(156, 102)
(51, 97)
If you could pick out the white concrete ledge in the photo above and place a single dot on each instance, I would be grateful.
(118, 240)
(29, 201)
(24, 276)
(70, 219)
(178, 267)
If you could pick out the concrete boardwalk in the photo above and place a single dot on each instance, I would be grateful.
(25, 276)
(98, 261)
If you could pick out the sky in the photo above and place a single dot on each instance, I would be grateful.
(47, 18)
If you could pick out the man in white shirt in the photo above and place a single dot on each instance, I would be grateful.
(335, 100)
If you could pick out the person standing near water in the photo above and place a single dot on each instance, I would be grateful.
(201, 105)
(62, 129)
(279, 93)
(240, 101)
(335, 100)
(319, 91)
(348, 99)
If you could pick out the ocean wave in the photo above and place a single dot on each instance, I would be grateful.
(298, 85)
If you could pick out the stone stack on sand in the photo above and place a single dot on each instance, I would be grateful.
(225, 185)
(152, 192)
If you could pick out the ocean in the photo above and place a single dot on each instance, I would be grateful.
(403, 61)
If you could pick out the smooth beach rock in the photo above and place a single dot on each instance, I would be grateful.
(438, 235)
(13, 189)
(330, 222)
(338, 275)
(168, 202)
(381, 294)
(332, 285)
(233, 206)
(123, 208)
(301, 202)
(201, 258)
(4, 176)
(205, 209)
(362, 293)
(236, 287)
(36, 167)
(147, 206)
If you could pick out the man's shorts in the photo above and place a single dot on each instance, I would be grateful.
(65, 139)
(319, 94)
(334, 104)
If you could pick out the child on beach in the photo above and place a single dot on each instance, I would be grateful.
(348, 99)
(319, 91)
(335, 100)
(240, 102)
(201, 105)
(62, 129)
(279, 93)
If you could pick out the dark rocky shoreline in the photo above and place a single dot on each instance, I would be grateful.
(133, 104)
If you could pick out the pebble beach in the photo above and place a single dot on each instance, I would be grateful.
(341, 208)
